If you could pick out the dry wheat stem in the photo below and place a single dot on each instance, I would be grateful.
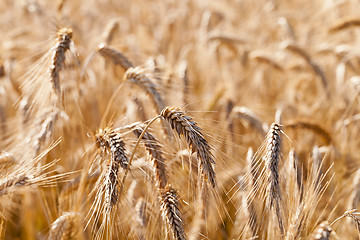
(185, 126)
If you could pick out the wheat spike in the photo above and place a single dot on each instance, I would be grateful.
(64, 36)
(171, 213)
(115, 56)
(314, 66)
(184, 125)
(110, 141)
(272, 158)
(64, 227)
(13, 181)
(138, 76)
(316, 128)
(154, 150)
(251, 118)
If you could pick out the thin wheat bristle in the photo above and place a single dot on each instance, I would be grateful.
(171, 213)
(117, 57)
(64, 227)
(154, 150)
(138, 76)
(345, 23)
(64, 36)
(322, 232)
(184, 125)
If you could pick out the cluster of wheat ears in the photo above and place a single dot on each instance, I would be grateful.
(179, 119)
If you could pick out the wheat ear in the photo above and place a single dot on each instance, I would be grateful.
(184, 125)
(138, 76)
(171, 213)
(154, 150)
(115, 56)
(316, 128)
(64, 227)
(272, 158)
(109, 140)
(64, 36)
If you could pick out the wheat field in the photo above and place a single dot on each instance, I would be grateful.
(223, 119)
